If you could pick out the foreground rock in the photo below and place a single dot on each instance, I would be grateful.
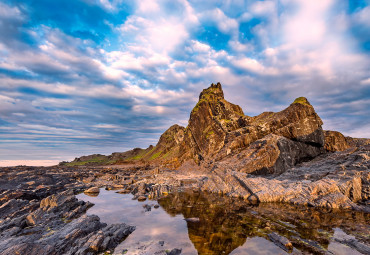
(33, 222)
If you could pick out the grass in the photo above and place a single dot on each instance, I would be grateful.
(99, 160)
(156, 155)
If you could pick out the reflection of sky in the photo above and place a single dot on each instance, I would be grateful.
(257, 245)
(157, 225)
(153, 226)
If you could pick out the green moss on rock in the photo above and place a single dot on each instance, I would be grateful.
(301, 100)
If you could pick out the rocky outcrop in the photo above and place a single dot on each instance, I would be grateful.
(210, 121)
(219, 133)
(168, 145)
(335, 141)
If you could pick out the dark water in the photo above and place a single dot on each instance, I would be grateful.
(227, 226)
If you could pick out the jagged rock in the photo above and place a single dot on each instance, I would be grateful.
(55, 226)
(209, 122)
(218, 131)
(335, 141)
(168, 144)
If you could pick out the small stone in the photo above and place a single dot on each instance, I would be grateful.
(92, 190)
(141, 198)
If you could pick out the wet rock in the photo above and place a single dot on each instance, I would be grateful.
(92, 190)
(281, 241)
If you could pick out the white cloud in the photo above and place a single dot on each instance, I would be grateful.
(253, 65)
(307, 27)
(148, 6)
(150, 110)
(52, 102)
(106, 126)
(240, 47)
(363, 16)
(200, 47)
(365, 81)
(224, 23)
(10, 12)
(263, 8)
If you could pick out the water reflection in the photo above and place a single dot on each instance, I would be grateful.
(227, 226)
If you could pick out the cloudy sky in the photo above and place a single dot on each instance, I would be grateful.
(97, 76)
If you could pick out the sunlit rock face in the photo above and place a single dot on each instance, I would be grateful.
(270, 143)
(219, 135)
(210, 121)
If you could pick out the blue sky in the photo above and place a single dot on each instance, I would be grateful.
(96, 76)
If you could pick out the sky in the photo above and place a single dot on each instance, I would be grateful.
(79, 77)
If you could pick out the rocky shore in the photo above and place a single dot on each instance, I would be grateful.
(39, 213)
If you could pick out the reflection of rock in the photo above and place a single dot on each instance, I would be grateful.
(174, 252)
(147, 208)
(141, 198)
(192, 219)
(281, 241)
(225, 223)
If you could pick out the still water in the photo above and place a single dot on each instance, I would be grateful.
(220, 225)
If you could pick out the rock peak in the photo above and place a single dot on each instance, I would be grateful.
(212, 92)
(301, 100)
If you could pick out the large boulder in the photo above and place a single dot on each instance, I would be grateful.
(335, 141)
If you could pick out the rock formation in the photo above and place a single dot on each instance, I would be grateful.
(218, 133)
